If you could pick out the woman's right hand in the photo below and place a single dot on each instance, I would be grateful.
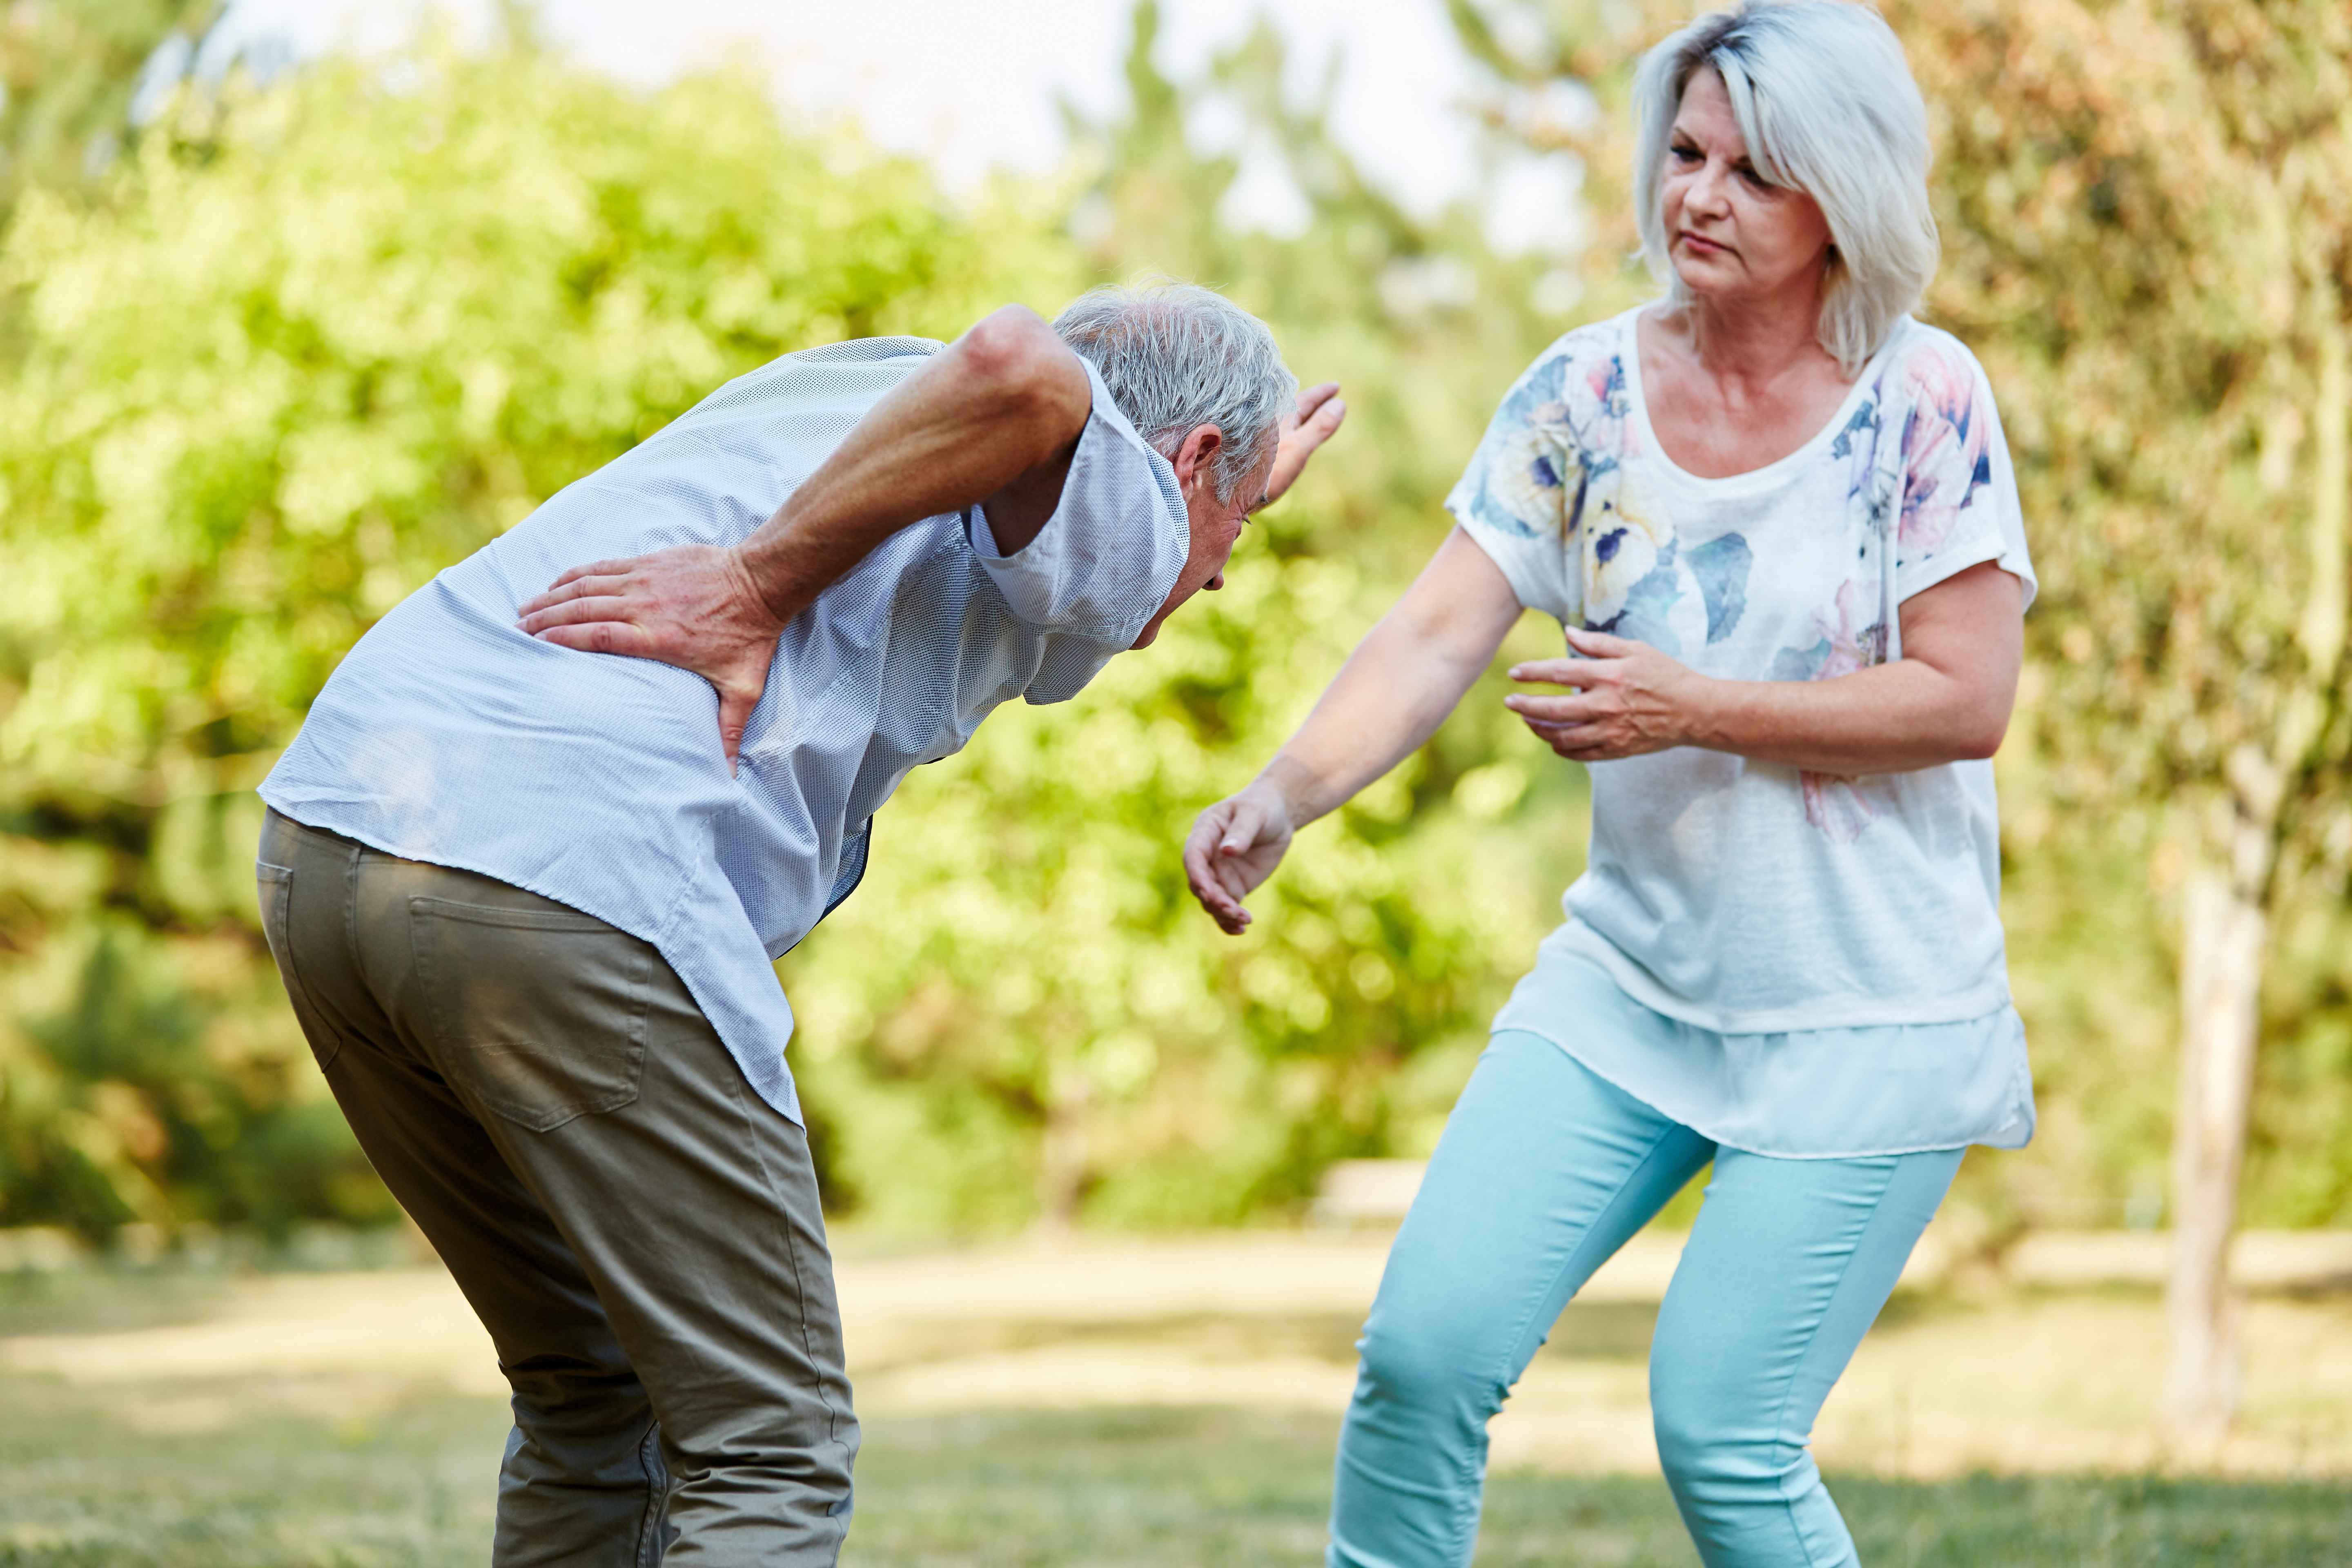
(1233, 846)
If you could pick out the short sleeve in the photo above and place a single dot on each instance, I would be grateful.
(1521, 496)
(1111, 553)
(1960, 493)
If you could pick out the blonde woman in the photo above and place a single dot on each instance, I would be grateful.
(1776, 519)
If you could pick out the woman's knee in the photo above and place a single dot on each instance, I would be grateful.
(1435, 1374)
(1716, 1432)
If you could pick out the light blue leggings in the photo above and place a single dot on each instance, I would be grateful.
(1545, 1170)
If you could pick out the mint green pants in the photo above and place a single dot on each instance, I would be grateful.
(1544, 1171)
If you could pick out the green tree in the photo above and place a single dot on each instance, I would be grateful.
(2149, 218)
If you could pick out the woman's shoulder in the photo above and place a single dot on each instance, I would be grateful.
(1929, 364)
(1592, 345)
(1580, 377)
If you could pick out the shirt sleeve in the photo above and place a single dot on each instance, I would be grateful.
(1111, 553)
(1521, 497)
(1961, 506)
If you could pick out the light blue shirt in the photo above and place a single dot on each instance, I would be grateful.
(449, 736)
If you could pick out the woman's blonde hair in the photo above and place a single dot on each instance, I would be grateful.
(1826, 103)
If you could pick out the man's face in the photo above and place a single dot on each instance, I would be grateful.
(1216, 524)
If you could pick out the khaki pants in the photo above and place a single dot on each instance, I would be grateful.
(639, 1231)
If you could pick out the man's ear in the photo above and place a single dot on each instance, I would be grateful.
(1195, 453)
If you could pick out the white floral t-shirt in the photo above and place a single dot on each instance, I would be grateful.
(1739, 896)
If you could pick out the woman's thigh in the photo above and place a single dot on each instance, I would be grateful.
(1544, 1171)
(1787, 1266)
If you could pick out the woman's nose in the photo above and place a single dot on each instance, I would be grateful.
(1706, 193)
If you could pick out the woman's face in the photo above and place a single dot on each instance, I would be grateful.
(1730, 234)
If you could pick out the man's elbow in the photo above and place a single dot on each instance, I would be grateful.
(1016, 359)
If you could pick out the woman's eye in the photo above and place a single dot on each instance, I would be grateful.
(1685, 155)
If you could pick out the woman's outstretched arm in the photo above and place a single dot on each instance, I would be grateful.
(1398, 685)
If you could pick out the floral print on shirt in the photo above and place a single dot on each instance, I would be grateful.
(1563, 491)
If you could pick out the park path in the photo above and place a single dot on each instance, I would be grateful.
(1986, 1374)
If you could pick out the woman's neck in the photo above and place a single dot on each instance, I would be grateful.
(1754, 343)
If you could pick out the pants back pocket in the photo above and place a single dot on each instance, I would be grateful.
(539, 1014)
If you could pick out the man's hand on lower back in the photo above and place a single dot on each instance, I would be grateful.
(694, 606)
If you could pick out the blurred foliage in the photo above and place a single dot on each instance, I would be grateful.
(304, 346)
(68, 72)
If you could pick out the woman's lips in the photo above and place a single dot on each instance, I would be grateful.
(1704, 247)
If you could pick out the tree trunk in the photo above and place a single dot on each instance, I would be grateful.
(2221, 985)
(2225, 926)
(1066, 1154)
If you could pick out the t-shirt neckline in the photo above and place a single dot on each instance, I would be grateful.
(1630, 351)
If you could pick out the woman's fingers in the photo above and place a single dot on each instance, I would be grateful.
(1243, 826)
(1576, 672)
(1315, 397)
(1204, 872)
(1601, 645)
(1580, 709)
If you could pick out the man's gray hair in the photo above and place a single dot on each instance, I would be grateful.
(1827, 106)
(1176, 356)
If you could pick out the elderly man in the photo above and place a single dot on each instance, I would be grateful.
(524, 896)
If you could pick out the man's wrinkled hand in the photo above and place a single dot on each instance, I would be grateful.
(1315, 421)
(694, 606)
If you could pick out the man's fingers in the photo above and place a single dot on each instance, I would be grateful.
(601, 637)
(734, 716)
(1325, 422)
(572, 612)
(577, 581)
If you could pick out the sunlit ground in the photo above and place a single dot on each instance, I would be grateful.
(1141, 1403)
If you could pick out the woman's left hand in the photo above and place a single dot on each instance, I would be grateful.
(1632, 699)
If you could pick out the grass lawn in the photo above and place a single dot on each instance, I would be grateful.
(80, 1486)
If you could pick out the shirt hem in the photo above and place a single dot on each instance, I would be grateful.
(1987, 1138)
(777, 1088)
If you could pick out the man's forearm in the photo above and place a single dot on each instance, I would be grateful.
(1004, 400)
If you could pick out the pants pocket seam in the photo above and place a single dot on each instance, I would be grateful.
(277, 928)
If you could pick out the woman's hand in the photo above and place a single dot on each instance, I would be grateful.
(1233, 846)
(1632, 699)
